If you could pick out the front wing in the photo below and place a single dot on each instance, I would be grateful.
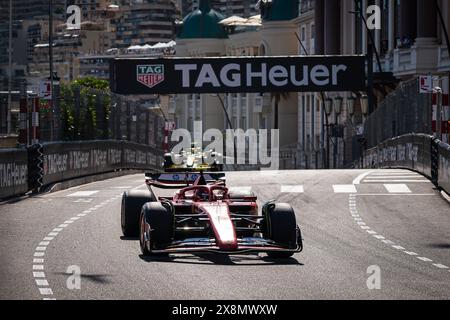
(245, 245)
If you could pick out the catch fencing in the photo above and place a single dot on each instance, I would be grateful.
(403, 111)
(418, 152)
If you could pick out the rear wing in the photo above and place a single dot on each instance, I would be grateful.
(178, 180)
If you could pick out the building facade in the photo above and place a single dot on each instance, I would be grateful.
(144, 22)
(228, 8)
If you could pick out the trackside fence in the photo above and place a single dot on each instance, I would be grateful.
(23, 170)
(418, 152)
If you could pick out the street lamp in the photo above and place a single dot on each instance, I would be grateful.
(338, 103)
(328, 106)
(351, 105)
(364, 104)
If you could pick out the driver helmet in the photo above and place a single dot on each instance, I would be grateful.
(203, 195)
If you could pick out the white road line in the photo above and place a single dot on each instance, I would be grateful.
(75, 218)
(53, 234)
(57, 229)
(411, 253)
(39, 274)
(38, 267)
(398, 247)
(397, 181)
(292, 189)
(379, 237)
(361, 177)
(397, 188)
(38, 260)
(440, 266)
(344, 188)
(424, 259)
(80, 194)
(68, 221)
(409, 174)
(44, 243)
(388, 242)
(41, 248)
(371, 232)
(42, 282)
(395, 177)
(48, 238)
(240, 189)
(395, 194)
(82, 215)
(46, 291)
(39, 254)
(62, 225)
(365, 227)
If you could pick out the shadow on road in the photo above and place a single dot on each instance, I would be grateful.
(440, 246)
(224, 260)
(96, 278)
(123, 238)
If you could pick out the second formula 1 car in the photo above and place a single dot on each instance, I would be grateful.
(193, 160)
(205, 216)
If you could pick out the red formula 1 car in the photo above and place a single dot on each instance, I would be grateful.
(204, 216)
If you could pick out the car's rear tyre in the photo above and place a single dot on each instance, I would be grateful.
(168, 160)
(132, 202)
(280, 225)
(240, 194)
(156, 226)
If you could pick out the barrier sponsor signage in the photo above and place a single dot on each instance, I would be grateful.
(238, 74)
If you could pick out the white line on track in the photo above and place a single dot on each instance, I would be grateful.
(424, 259)
(361, 177)
(397, 188)
(363, 226)
(81, 194)
(38, 266)
(292, 189)
(397, 181)
(344, 188)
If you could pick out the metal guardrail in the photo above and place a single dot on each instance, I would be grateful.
(67, 160)
(418, 152)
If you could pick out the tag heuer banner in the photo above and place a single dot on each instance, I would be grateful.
(243, 74)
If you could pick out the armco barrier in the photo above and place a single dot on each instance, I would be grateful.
(68, 160)
(13, 172)
(444, 166)
(63, 161)
(415, 152)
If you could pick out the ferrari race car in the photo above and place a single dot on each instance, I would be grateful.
(193, 160)
(205, 216)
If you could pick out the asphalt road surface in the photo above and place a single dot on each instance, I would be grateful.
(380, 234)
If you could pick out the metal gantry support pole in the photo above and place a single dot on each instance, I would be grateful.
(439, 110)
(9, 126)
(50, 52)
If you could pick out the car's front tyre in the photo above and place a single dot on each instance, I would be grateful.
(280, 226)
(156, 227)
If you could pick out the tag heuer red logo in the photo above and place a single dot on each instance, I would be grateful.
(150, 75)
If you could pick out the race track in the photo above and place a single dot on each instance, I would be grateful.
(351, 221)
